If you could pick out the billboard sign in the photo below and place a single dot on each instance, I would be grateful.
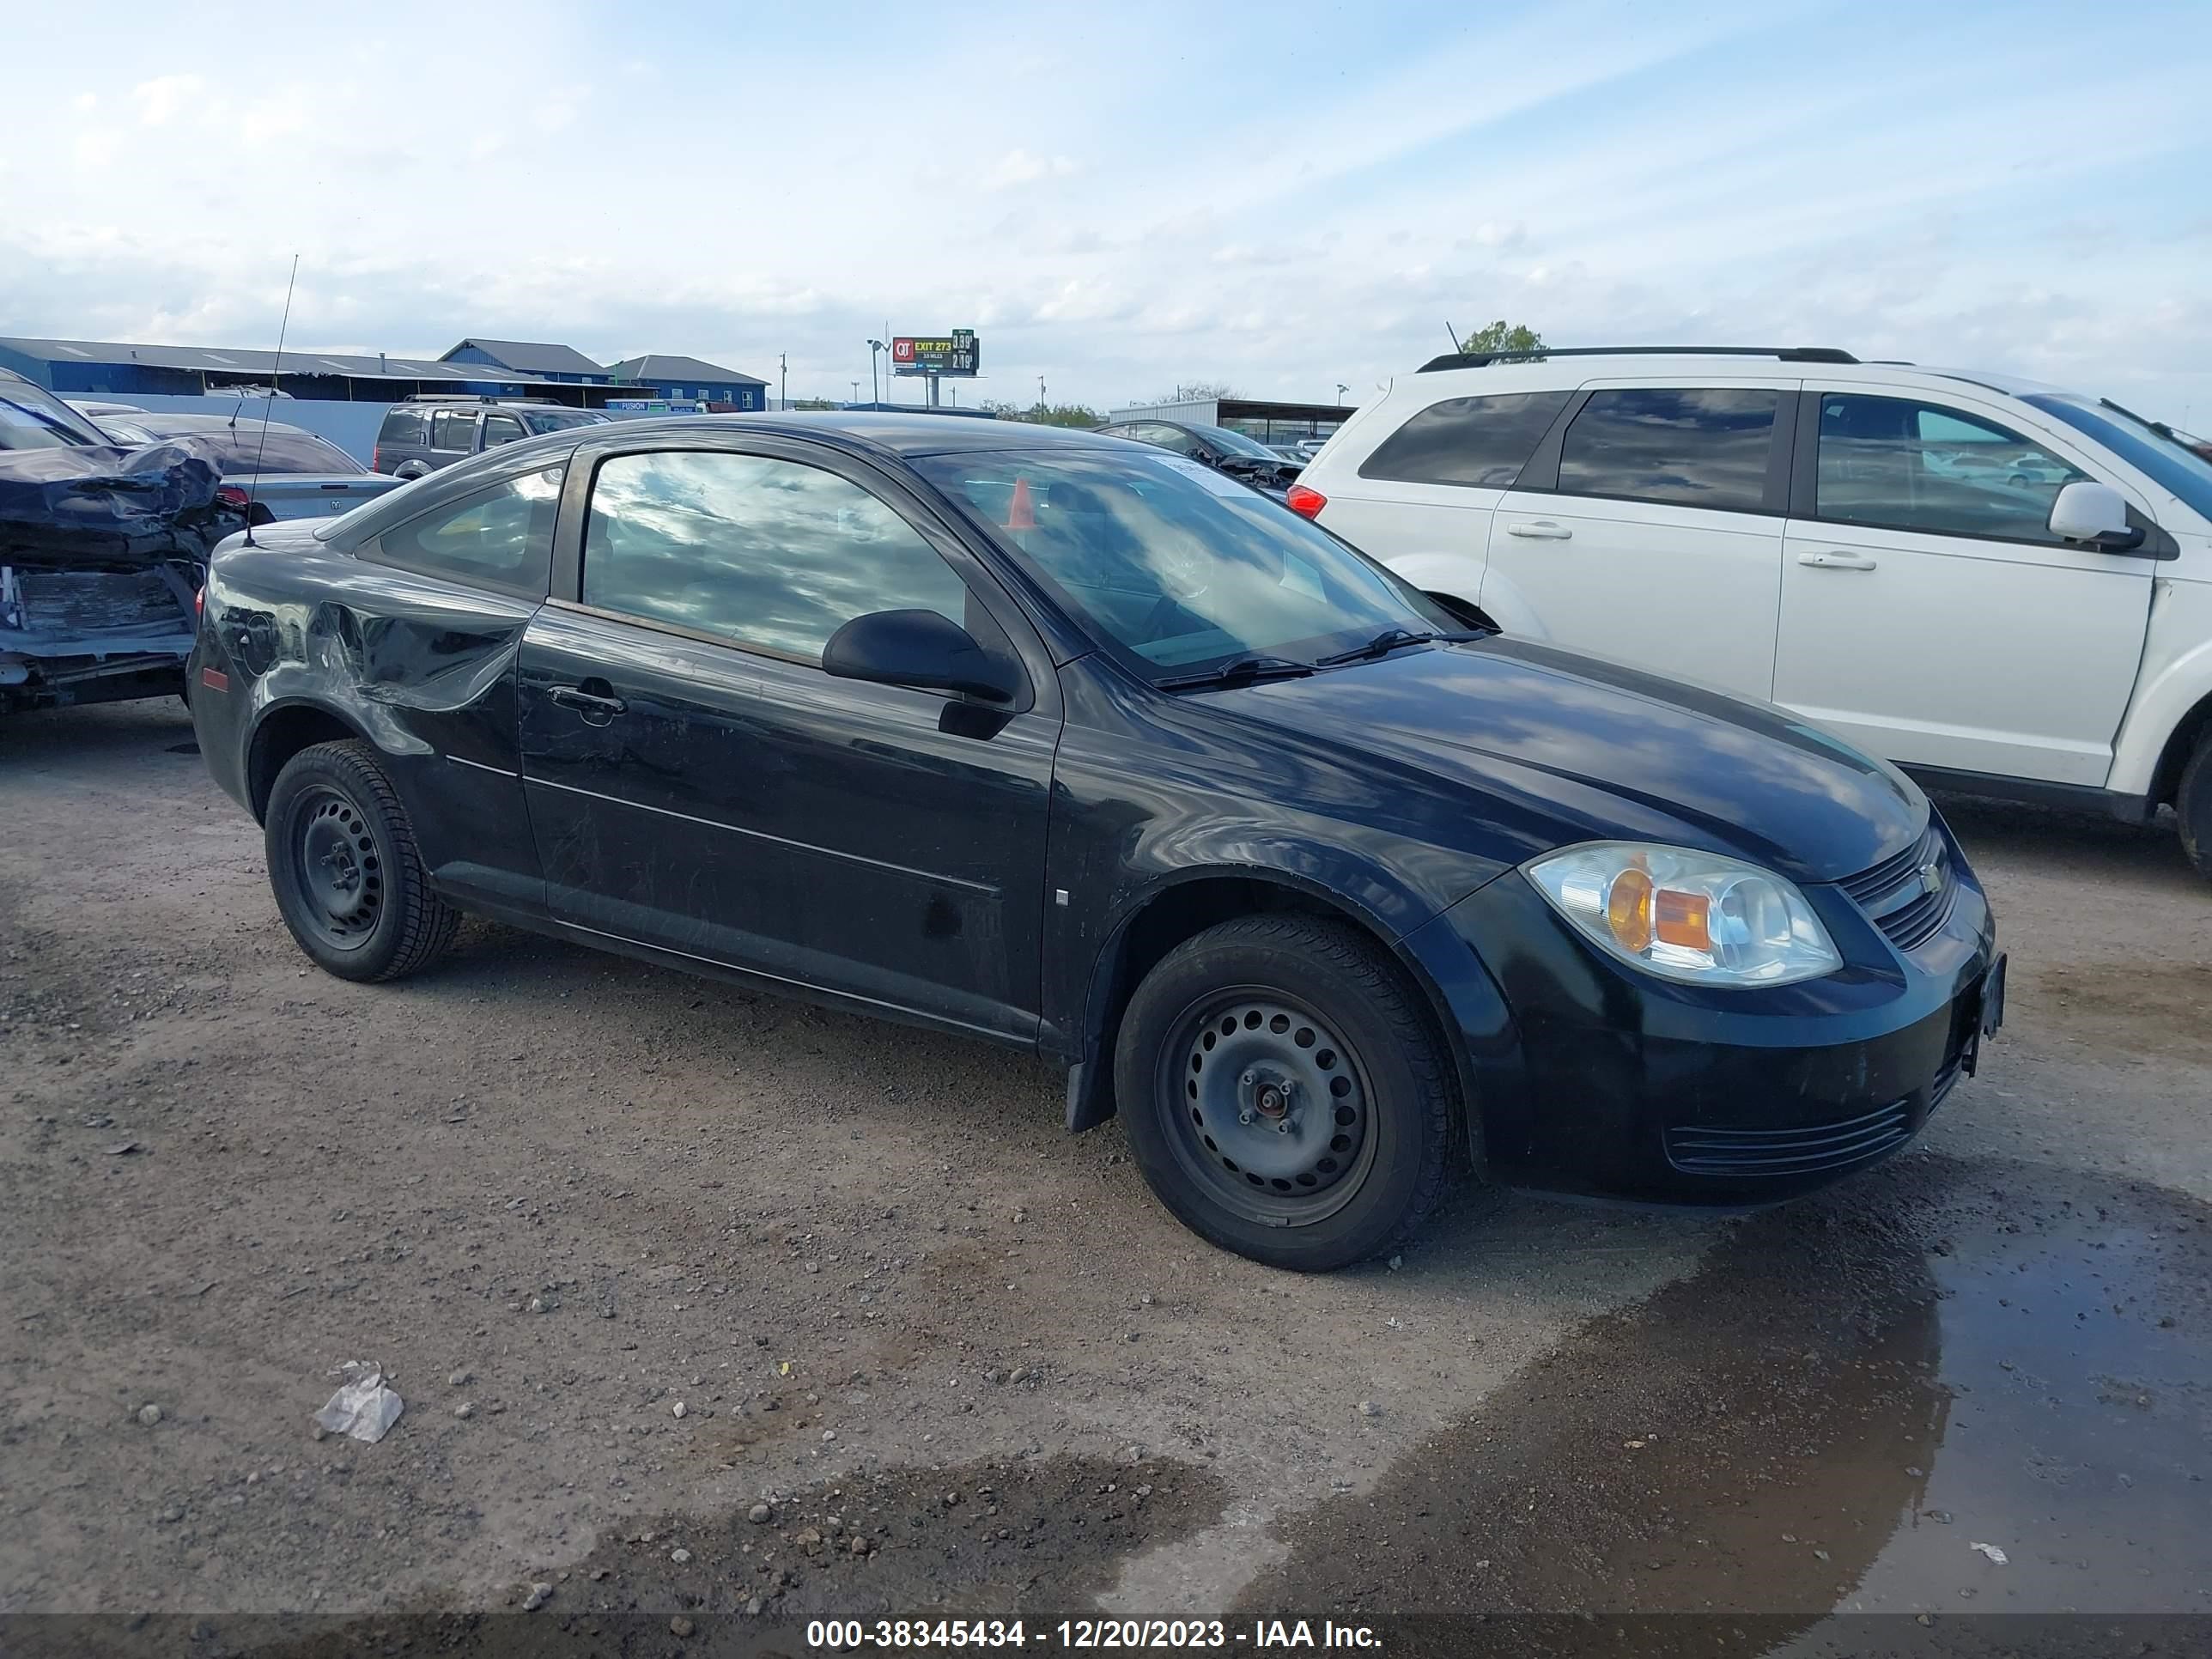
(935, 354)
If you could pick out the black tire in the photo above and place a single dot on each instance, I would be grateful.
(2192, 805)
(343, 865)
(1308, 1025)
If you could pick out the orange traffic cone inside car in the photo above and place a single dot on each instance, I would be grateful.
(1021, 512)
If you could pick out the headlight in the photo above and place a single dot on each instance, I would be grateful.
(1692, 916)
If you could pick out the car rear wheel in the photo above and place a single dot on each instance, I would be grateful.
(342, 864)
(2192, 805)
(1283, 1095)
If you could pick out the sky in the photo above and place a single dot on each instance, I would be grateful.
(1286, 197)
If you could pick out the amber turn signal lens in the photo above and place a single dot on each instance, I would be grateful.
(1628, 909)
(1684, 919)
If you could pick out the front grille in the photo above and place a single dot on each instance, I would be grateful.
(1898, 894)
(1698, 1150)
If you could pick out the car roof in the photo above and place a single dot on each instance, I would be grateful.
(904, 435)
(1567, 368)
(178, 425)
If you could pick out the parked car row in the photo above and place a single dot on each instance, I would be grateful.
(287, 472)
(2005, 587)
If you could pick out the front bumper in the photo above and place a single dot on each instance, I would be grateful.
(1628, 1085)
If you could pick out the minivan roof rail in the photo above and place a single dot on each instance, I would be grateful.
(472, 397)
(1786, 354)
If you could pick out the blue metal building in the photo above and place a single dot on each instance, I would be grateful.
(687, 377)
(537, 360)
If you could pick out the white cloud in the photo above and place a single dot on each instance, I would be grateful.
(1019, 167)
(164, 96)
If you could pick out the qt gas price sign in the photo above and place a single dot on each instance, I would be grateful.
(935, 354)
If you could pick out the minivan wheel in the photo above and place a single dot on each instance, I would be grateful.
(343, 867)
(1283, 1095)
(2193, 806)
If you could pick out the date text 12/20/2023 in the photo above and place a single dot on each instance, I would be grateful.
(1265, 1635)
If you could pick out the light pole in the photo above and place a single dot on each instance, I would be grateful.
(1341, 390)
(783, 380)
(874, 346)
(856, 391)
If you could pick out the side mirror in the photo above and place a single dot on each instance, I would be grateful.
(2095, 514)
(917, 648)
(411, 470)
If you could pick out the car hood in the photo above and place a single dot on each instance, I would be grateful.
(1565, 748)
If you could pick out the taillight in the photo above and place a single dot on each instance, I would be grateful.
(232, 497)
(199, 600)
(1304, 502)
(376, 457)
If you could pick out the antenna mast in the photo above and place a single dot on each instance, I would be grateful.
(275, 379)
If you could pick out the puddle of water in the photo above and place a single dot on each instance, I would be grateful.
(2074, 1349)
(1780, 1437)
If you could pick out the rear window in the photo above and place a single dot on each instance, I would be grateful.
(401, 426)
(1467, 440)
(1700, 446)
(241, 450)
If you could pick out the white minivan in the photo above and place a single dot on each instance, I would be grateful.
(2003, 587)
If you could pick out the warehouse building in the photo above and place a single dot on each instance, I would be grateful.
(540, 361)
(687, 377)
(494, 368)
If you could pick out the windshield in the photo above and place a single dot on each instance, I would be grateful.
(2140, 443)
(560, 421)
(33, 418)
(1180, 568)
(1235, 442)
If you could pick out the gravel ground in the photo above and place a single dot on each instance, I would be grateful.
(647, 1257)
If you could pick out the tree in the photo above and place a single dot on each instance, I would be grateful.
(813, 404)
(1199, 391)
(1502, 336)
(1043, 414)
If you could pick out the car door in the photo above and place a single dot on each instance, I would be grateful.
(1928, 612)
(698, 783)
(1647, 528)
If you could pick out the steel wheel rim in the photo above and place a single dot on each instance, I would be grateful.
(337, 872)
(1269, 1108)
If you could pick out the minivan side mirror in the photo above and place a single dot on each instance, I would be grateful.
(917, 648)
(2096, 514)
(410, 470)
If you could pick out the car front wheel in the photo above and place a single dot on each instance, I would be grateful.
(343, 867)
(1283, 1093)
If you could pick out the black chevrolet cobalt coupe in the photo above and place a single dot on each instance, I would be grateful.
(1060, 741)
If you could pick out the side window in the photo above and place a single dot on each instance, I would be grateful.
(1903, 464)
(1695, 447)
(769, 553)
(1467, 440)
(499, 537)
(453, 429)
(501, 429)
(401, 426)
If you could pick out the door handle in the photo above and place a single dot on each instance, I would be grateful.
(1540, 530)
(1836, 561)
(588, 703)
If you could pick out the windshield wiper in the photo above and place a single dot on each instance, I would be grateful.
(1243, 671)
(1388, 640)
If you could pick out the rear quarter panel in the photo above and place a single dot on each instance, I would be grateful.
(422, 670)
